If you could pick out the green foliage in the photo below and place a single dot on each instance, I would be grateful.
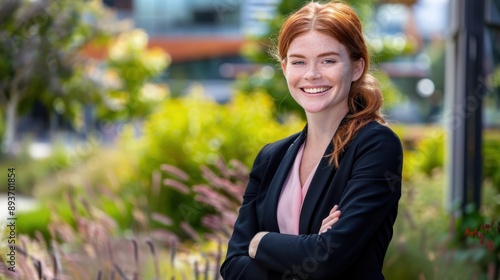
(35, 221)
(421, 247)
(82, 240)
(391, 94)
(388, 47)
(93, 173)
(129, 67)
(187, 133)
(2, 131)
(491, 163)
(38, 46)
(410, 262)
(41, 47)
(39, 43)
(425, 152)
(430, 152)
(192, 131)
(422, 241)
(477, 230)
(475, 243)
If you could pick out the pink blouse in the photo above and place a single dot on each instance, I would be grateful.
(292, 196)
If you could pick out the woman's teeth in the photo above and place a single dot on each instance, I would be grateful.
(316, 90)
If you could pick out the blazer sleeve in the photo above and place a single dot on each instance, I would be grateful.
(372, 191)
(238, 265)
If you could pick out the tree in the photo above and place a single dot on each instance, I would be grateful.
(39, 40)
(41, 58)
(129, 67)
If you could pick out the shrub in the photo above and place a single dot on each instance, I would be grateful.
(491, 150)
(92, 248)
(186, 133)
(192, 131)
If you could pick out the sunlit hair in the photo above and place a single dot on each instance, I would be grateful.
(338, 20)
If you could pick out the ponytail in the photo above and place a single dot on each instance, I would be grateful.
(364, 102)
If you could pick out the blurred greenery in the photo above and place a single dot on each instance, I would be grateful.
(129, 67)
(88, 247)
(491, 164)
(185, 132)
(192, 131)
(41, 46)
(39, 43)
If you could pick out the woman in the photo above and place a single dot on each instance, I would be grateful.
(321, 204)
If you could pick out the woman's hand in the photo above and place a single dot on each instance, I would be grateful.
(332, 218)
(254, 244)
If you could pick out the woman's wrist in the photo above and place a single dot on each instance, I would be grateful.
(254, 244)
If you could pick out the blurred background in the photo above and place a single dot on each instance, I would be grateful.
(130, 126)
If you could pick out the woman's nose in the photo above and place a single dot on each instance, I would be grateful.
(313, 73)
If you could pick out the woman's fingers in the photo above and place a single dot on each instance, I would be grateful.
(332, 218)
(328, 225)
(334, 209)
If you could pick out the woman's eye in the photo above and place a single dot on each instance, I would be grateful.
(297, 62)
(329, 61)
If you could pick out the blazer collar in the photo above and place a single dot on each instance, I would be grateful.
(274, 192)
(319, 184)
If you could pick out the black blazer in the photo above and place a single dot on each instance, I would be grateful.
(367, 188)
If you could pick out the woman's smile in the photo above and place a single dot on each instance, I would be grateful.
(315, 90)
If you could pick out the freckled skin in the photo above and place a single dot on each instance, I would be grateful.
(318, 63)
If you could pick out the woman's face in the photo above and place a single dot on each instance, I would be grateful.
(319, 73)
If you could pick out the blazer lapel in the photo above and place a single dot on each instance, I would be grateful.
(317, 189)
(274, 192)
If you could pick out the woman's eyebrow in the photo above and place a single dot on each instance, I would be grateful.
(320, 55)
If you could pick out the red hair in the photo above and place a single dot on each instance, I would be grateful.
(338, 20)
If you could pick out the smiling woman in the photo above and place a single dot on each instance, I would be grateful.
(321, 204)
(319, 75)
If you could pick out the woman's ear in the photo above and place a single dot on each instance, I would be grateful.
(358, 66)
(283, 66)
